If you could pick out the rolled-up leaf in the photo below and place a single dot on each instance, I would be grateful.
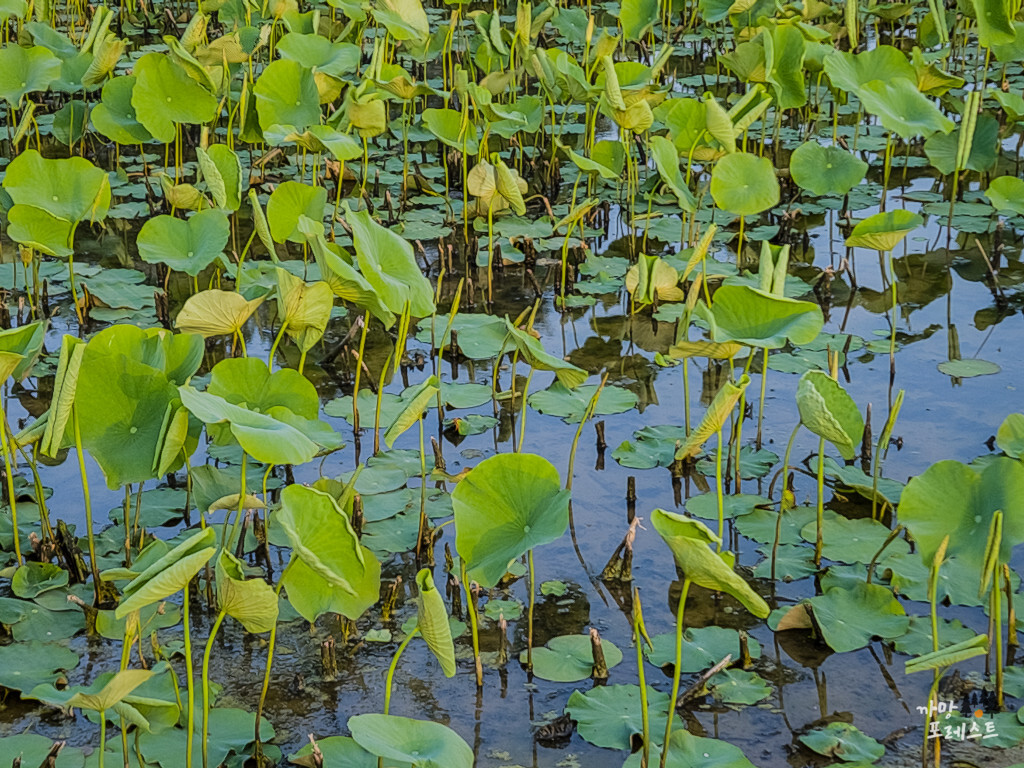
(432, 617)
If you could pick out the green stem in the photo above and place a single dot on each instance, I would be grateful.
(270, 654)
(821, 502)
(103, 735)
(241, 506)
(190, 733)
(677, 670)
(273, 348)
(642, 677)
(718, 491)
(522, 419)
(206, 683)
(87, 502)
(475, 630)
(394, 665)
(5, 444)
(359, 371)
(531, 578)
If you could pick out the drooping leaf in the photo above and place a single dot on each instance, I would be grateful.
(420, 398)
(740, 313)
(883, 231)
(169, 574)
(829, 412)
(215, 312)
(432, 619)
(714, 417)
(251, 602)
(531, 351)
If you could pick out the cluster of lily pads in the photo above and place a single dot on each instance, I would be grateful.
(292, 164)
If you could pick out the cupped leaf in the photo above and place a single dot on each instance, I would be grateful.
(432, 620)
(1006, 193)
(305, 308)
(423, 743)
(288, 203)
(23, 343)
(26, 70)
(70, 189)
(1010, 437)
(251, 602)
(829, 412)
(531, 351)
(826, 170)
(750, 316)
(169, 574)
(715, 416)
(165, 95)
(507, 505)
(286, 94)
(689, 539)
(185, 245)
(883, 231)
(222, 171)
(325, 543)
(215, 312)
(417, 399)
(744, 184)
(34, 578)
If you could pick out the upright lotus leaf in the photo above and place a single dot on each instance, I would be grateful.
(995, 22)
(65, 384)
(948, 656)
(883, 231)
(26, 70)
(121, 405)
(100, 698)
(26, 341)
(533, 354)
(215, 312)
(17, 9)
(949, 152)
(317, 53)
(952, 499)
(507, 505)
(903, 109)
(251, 602)
(185, 197)
(759, 319)
(1010, 437)
(849, 71)
(51, 197)
(744, 184)
(185, 245)
(482, 182)
(829, 412)
(422, 743)
(450, 128)
(176, 355)
(715, 417)
(666, 159)
(345, 281)
(222, 171)
(637, 17)
(1006, 193)
(417, 399)
(165, 95)
(689, 541)
(387, 262)
(404, 19)
(330, 571)
(8, 362)
(286, 94)
(288, 203)
(247, 381)
(826, 170)
(606, 160)
(305, 308)
(432, 620)
(169, 574)
(653, 279)
(784, 51)
(507, 185)
(265, 438)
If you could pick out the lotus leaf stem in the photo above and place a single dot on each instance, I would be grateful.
(677, 670)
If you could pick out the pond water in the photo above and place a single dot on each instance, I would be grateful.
(948, 308)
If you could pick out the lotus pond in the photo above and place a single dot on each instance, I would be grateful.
(440, 384)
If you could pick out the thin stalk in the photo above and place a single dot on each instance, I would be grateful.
(821, 502)
(359, 371)
(5, 444)
(87, 502)
(760, 408)
(718, 491)
(676, 672)
(475, 630)
(394, 665)
(638, 634)
(273, 348)
(532, 576)
(782, 503)
(206, 684)
(190, 734)
(270, 656)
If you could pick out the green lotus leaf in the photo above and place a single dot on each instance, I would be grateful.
(826, 170)
(995, 22)
(345, 281)
(744, 184)
(1010, 437)
(703, 647)
(23, 666)
(688, 751)
(39, 229)
(852, 541)
(185, 245)
(950, 498)
(251, 602)
(423, 743)
(849, 71)
(843, 741)
(570, 658)
(610, 716)
(714, 418)
(829, 412)
(432, 620)
(784, 51)
(571, 404)
(850, 617)
(215, 312)
(176, 355)
(637, 17)
(19, 10)
(507, 505)
(263, 437)
(948, 656)
(903, 109)
(416, 399)
(164, 95)
(340, 750)
(222, 171)
(249, 383)
(968, 368)
(169, 574)
(1006, 193)
(689, 539)
(447, 126)
(323, 541)
(531, 351)
(387, 262)
(738, 686)
(318, 54)
(666, 159)
(23, 343)
(33, 578)
(286, 94)
(404, 19)
(304, 308)
(71, 189)
(750, 316)
(26, 70)
(942, 148)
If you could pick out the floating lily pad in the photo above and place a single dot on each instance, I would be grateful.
(570, 658)
(610, 717)
(34, 578)
(702, 648)
(845, 741)
(969, 368)
(738, 686)
(689, 751)
(571, 404)
(853, 541)
(706, 505)
(23, 666)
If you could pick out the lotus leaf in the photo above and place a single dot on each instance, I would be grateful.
(744, 184)
(740, 313)
(829, 412)
(23, 666)
(169, 574)
(251, 602)
(572, 404)
(215, 312)
(423, 743)
(304, 308)
(826, 170)
(286, 94)
(26, 70)
(844, 741)
(432, 619)
(164, 95)
(688, 751)
(185, 245)
(570, 658)
(609, 716)
(288, 203)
